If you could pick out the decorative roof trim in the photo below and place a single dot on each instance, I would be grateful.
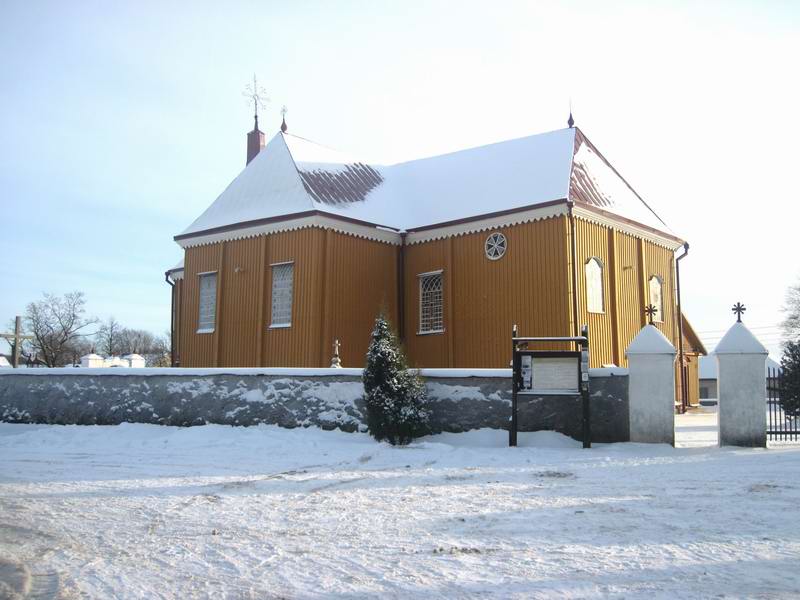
(487, 222)
(309, 219)
(637, 230)
(255, 222)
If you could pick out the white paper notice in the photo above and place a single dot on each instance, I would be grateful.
(555, 375)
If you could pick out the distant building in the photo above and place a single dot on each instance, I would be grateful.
(708, 375)
(95, 361)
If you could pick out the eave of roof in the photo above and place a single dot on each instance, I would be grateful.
(278, 219)
(615, 218)
(499, 213)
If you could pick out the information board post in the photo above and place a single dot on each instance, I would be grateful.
(553, 373)
(587, 409)
(515, 384)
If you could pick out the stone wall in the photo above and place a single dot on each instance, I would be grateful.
(460, 400)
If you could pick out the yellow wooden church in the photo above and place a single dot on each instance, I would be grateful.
(307, 245)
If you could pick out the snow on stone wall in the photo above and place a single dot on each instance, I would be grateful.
(327, 398)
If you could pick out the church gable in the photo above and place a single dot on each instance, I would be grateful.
(595, 183)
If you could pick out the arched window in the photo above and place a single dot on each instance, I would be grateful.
(594, 285)
(657, 298)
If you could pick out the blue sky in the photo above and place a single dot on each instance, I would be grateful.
(122, 121)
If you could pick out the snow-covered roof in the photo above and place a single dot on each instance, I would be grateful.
(739, 340)
(176, 272)
(294, 176)
(650, 341)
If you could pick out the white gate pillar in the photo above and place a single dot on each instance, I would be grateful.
(742, 381)
(651, 387)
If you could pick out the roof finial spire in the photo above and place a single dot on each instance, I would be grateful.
(570, 121)
(284, 110)
(258, 95)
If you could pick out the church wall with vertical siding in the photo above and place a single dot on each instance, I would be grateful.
(341, 282)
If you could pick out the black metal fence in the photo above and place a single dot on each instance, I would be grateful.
(781, 426)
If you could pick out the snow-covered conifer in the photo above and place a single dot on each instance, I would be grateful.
(790, 381)
(394, 395)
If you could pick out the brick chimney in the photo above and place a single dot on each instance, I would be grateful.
(255, 141)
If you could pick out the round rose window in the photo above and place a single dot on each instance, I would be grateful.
(496, 246)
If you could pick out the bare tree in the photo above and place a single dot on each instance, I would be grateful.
(160, 353)
(154, 348)
(135, 341)
(108, 337)
(77, 348)
(56, 322)
(791, 324)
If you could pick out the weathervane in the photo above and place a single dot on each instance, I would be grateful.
(738, 308)
(650, 311)
(257, 95)
(284, 110)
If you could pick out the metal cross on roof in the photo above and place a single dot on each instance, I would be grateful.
(650, 310)
(738, 308)
(257, 94)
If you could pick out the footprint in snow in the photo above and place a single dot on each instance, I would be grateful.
(762, 487)
(555, 474)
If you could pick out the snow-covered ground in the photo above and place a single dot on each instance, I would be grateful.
(144, 511)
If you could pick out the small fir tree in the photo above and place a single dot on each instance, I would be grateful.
(394, 395)
(790, 379)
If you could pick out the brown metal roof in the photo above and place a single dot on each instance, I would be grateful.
(350, 184)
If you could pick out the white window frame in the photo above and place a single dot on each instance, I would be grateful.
(420, 278)
(200, 328)
(589, 303)
(272, 324)
(658, 317)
